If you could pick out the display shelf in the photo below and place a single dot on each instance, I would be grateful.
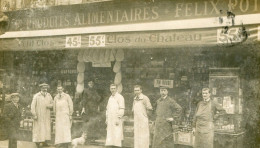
(225, 89)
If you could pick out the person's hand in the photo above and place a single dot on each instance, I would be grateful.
(117, 121)
(169, 119)
(35, 117)
(83, 111)
(70, 117)
(193, 131)
(49, 106)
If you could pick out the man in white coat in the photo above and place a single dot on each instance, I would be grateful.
(114, 114)
(63, 109)
(41, 104)
(141, 109)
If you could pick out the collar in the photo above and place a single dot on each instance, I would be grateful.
(140, 97)
(207, 100)
(163, 98)
(43, 93)
(114, 95)
(62, 94)
(15, 104)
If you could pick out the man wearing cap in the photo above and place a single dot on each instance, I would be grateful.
(168, 113)
(90, 102)
(12, 115)
(41, 104)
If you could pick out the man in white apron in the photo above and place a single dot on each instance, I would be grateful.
(141, 108)
(114, 114)
(41, 104)
(63, 109)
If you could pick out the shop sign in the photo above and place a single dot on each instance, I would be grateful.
(113, 40)
(152, 39)
(114, 13)
(165, 83)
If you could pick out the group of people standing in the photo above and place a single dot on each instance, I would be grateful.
(41, 106)
(168, 114)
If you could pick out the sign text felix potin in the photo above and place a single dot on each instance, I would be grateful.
(84, 15)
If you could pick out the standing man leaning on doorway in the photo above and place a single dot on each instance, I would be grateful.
(203, 120)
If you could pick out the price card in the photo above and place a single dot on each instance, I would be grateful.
(97, 40)
(231, 36)
(184, 137)
(73, 41)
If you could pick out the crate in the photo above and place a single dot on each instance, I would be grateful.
(184, 138)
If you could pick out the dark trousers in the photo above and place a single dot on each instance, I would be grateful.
(12, 143)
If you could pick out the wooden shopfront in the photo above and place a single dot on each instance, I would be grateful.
(171, 43)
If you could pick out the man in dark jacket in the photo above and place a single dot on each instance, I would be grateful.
(168, 113)
(90, 109)
(12, 115)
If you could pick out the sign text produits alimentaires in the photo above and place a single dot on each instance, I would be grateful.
(112, 13)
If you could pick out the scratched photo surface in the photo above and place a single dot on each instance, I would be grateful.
(58, 59)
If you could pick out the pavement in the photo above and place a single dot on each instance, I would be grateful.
(25, 144)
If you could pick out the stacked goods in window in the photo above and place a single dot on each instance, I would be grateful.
(225, 89)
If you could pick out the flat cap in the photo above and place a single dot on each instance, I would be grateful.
(164, 87)
(44, 84)
(14, 94)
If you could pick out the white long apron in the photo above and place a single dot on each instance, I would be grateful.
(141, 125)
(114, 132)
(63, 108)
(41, 126)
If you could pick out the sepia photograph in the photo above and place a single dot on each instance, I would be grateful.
(129, 73)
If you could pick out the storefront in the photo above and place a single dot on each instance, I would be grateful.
(182, 45)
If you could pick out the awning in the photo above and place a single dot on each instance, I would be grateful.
(141, 39)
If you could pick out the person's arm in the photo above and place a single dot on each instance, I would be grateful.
(50, 105)
(121, 104)
(70, 103)
(8, 114)
(194, 120)
(176, 111)
(148, 107)
(33, 107)
(220, 109)
(54, 104)
(107, 111)
(84, 101)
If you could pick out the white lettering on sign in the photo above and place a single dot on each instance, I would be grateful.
(184, 137)
(161, 82)
(73, 41)
(97, 41)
